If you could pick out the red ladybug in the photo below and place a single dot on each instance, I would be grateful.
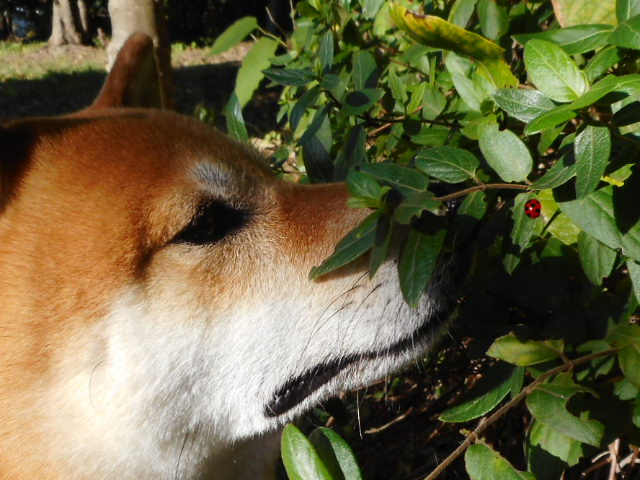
(532, 208)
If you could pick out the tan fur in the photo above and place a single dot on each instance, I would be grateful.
(125, 353)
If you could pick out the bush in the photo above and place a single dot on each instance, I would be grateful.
(528, 117)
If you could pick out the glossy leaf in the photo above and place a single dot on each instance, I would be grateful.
(364, 70)
(300, 108)
(352, 246)
(361, 100)
(234, 34)
(627, 34)
(596, 258)
(629, 358)
(525, 352)
(397, 176)
(565, 448)
(523, 104)
(602, 61)
(484, 463)
(552, 70)
(521, 233)
(548, 404)
(381, 244)
(494, 19)
(413, 204)
(291, 77)
(449, 164)
(574, 12)
(487, 393)
(250, 73)
(592, 148)
(235, 122)
(573, 40)
(506, 154)
(336, 454)
(300, 458)
(325, 52)
(634, 274)
(417, 262)
(625, 9)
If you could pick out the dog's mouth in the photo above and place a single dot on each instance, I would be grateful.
(296, 389)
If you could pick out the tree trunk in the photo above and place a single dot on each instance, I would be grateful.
(145, 16)
(66, 24)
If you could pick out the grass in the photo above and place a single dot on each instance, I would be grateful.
(31, 61)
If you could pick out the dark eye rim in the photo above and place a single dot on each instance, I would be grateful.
(213, 222)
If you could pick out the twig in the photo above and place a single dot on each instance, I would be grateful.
(484, 186)
(398, 419)
(477, 433)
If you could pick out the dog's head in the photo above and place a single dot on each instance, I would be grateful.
(155, 283)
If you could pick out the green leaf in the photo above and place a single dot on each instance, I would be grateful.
(433, 102)
(627, 34)
(336, 454)
(634, 273)
(550, 119)
(602, 61)
(576, 12)
(625, 9)
(461, 12)
(573, 40)
(417, 262)
(325, 52)
(595, 215)
(592, 148)
(316, 144)
(361, 100)
(234, 35)
(412, 206)
(365, 186)
(235, 122)
(299, 109)
(525, 105)
(565, 448)
(291, 77)
(250, 73)
(548, 404)
(494, 385)
(525, 352)
(300, 458)
(506, 154)
(553, 71)
(597, 259)
(560, 172)
(629, 358)
(380, 249)
(561, 227)
(352, 246)
(484, 463)
(521, 233)
(494, 19)
(365, 70)
(449, 164)
(397, 176)
(371, 7)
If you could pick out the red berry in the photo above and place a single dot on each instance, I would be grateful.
(532, 208)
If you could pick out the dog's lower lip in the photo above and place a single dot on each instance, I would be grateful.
(297, 389)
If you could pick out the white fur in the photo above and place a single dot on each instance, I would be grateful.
(163, 388)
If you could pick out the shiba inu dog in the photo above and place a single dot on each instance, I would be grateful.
(157, 319)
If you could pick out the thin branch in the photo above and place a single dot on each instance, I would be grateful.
(484, 186)
(477, 433)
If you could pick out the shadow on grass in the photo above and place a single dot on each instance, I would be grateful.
(207, 85)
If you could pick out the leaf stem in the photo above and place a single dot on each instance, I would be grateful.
(477, 433)
(484, 186)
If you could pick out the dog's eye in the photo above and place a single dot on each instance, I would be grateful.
(212, 223)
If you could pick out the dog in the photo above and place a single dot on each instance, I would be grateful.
(158, 320)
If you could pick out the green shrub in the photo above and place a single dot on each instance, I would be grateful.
(492, 103)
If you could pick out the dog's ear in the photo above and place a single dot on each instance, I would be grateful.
(134, 79)
(15, 144)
